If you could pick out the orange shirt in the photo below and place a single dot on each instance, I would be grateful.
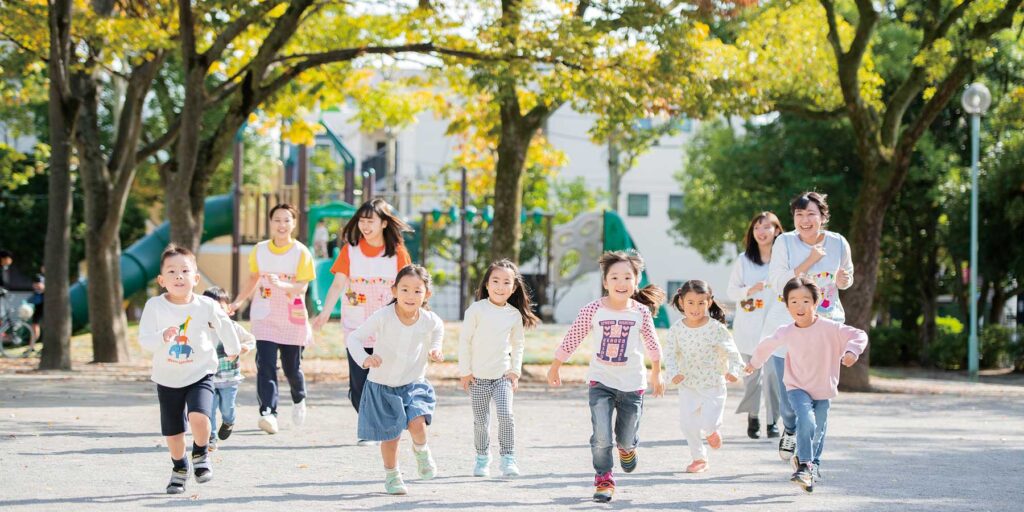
(341, 264)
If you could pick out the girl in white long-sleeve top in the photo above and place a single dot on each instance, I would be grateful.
(491, 348)
(175, 326)
(397, 395)
(748, 288)
(700, 356)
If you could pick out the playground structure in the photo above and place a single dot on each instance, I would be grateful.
(242, 214)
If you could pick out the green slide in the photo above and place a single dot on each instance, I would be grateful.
(140, 263)
(616, 238)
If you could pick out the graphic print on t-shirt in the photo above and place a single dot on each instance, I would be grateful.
(614, 335)
(827, 282)
(181, 347)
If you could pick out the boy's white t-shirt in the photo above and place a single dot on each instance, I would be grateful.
(403, 349)
(192, 354)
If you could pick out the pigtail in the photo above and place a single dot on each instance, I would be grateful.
(651, 296)
(715, 311)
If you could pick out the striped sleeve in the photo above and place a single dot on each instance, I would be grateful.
(578, 331)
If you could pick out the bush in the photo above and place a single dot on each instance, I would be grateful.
(995, 345)
(893, 346)
(949, 351)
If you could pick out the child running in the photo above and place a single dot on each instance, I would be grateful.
(175, 327)
(228, 376)
(397, 395)
(697, 353)
(816, 347)
(364, 272)
(624, 322)
(491, 359)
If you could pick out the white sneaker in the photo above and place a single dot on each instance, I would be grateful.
(299, 413)
(367, 442)
(268, 423)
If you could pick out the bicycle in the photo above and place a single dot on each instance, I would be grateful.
(14, 331)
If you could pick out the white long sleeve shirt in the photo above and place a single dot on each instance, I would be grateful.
(702, 355)
(751, 308)
(402, 349)
(192, 354)
(492, 341)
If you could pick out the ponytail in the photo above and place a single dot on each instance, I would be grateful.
(650, 296)
(715, 311)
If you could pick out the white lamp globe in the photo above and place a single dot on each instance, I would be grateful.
(976, 99)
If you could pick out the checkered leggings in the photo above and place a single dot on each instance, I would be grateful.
(481, 392)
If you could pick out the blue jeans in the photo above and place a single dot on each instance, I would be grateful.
(223, 399)
(627, 407)
(811, 423)
(777, 366)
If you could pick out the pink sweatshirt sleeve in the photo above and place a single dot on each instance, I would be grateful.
(578, 331)
(855, 339)
(767, 346)
(650, 336)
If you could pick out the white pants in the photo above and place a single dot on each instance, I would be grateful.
(700, 414)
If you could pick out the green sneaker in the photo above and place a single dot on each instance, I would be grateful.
(425, 464)
(393, 483)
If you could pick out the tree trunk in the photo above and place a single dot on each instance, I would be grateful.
(865, 244)
(999, 298)
(508, 193)
(107, 321)
(614, 175)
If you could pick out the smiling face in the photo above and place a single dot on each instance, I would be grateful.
(808, 222)
(802, 306)
(410, 292)
(620, 281)
(372, 229)
(179, 276)
(500, 285)
(764, 232)
(282, 223)
(695, 306)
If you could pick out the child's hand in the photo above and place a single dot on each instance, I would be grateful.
(730, 377)
(170, 333)
(233, 308)
(554, 380)
(514, 379)
(233, 358)
(436, 356)
(849, 359)
(659, 386)
(677, 379)
(321, 320)
(243, 351)
(465, 381)
(373, 361)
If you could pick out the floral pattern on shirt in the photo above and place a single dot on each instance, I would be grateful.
(702, 355)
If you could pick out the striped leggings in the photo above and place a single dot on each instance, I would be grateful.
(481, 392)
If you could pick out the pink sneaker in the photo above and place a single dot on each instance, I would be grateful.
(697, 466)
(715, 440)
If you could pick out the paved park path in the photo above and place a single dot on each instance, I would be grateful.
(76, 443)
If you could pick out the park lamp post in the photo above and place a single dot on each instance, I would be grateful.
(976, 100)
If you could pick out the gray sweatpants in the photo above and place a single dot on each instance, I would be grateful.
(754, 385)
(481, 393)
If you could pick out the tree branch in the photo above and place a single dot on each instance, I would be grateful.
(161, 142)
(237, 26)
(833, 28)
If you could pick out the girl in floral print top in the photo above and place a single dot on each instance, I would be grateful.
(623, 330)
(700, 356)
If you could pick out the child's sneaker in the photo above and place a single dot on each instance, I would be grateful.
(268, 423)
(482, 466)
(202, 468)
(816, 471)
(803, 477)
(299, 413)
(604, 487)
(697, 466)
(787, 445)
(628, 460)
(425, 465)
(225, 431)
(772, 431)
(509, 467)
(715, 440)
(367, 442)
(212, 444)
(393, 483)
(179, 476)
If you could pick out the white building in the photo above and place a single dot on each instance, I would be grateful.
(647, 193)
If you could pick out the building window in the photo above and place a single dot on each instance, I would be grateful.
(675, 203)
(637, 205)
(671, 289)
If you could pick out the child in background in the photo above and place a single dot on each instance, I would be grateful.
(491, 359)
(37, 299)
(228, 376)
(697, 353)
(397, 395)
(816, 347)
(176, 327)
(624, 330)
(364, 272)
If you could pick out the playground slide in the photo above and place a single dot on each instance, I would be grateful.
(140, 262)
(616, 238)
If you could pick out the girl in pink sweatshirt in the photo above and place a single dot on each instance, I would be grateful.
(816, 347)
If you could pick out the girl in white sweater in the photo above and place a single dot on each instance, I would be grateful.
(491, 359)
